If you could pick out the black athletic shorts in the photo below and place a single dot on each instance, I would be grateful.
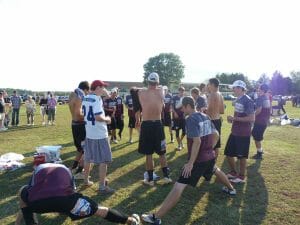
(218, 125)
(179, 124)
(167, 119)
(113, 124)
(205, 169)
(152, 138)
(78, 131)
(119, 123)
(76, 206)
(258, 131)
(237, 146)
(131, 123)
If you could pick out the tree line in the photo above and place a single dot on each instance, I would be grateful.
(171, 71)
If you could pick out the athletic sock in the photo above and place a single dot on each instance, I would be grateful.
(166, 171)
(150, 175)
(75, 164)
(260, 150)
(116, 216)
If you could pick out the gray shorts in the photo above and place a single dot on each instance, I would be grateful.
(97, 151)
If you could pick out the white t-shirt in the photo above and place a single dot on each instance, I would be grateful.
(92, 105)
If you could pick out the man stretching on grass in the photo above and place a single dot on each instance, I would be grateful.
(52, 189)
(201, 137)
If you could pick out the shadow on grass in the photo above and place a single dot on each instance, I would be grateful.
(11, 182)
(248, 207)
(141, 198)
(22, 127)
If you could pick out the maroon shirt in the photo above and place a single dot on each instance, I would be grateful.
(264, 116)
(50, 180)
(243, 107)
(199, 125)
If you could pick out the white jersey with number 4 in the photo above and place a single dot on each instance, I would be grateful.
(92, 106)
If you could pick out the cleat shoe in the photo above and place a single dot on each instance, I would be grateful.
(88, 183)
(79, 176)
(155, 176)
(166, 180)
(228, 191)
(149, 183)
(238, 180)
(150, 218)
(231, 175)
(136, 219)
(258, 155)
(106, 190)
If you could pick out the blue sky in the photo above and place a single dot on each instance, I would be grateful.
(53, 45)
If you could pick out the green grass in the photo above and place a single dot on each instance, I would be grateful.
(270, 196)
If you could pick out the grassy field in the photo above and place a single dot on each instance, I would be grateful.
(271, 194)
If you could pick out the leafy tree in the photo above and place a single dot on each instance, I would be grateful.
(168, 66)
(263, 79)
(226, 78)
(280, 85)
(296, 81)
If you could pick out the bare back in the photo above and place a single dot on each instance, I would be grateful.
(152, 101)
(75, 107)
(215, 105)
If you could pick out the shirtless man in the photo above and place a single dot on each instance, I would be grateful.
(78, 126)
(152, 136)
(215, 108)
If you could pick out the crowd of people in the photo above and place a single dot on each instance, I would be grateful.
(97, 119)
(10, 109)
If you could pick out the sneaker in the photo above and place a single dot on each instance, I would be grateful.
(3, 128)
(79, 176)
(166, 180)
(155, 176)
(231, 175)
(88, 184)
(114, 141)
(238, 180)
(149, 183)
(228, 191)
(258, 155)
(136, 219)
(179, 148)
(130, 141)
(150, 218)
(106, 190)
(172, 140)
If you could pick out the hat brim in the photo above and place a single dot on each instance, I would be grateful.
(233, 86)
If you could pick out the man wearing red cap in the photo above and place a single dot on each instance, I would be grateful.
(97, 148)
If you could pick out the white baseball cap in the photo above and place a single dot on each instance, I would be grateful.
(153, 78)
(238, 83)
